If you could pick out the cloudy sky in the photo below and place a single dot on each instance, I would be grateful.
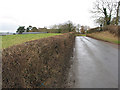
(40, 13)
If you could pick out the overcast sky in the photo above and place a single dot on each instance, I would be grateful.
(40, 13)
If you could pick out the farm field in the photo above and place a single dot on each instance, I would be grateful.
(11, 40)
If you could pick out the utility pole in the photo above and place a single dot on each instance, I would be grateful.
(118, 15)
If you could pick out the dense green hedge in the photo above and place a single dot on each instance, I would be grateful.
(38, 62)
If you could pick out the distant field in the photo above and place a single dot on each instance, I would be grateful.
(11, 40)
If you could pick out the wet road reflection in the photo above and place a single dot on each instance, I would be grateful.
(95, 64)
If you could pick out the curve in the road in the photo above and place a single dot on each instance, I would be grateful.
(95, 64)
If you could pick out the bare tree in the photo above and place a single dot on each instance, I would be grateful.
(82, 30)
(64, 27)
(105, 10)
(78, 27)
(117, 15)
(86, 27)
(100, 20)
(54, 26)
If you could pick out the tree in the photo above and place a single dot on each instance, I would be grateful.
(105, 10)
(78, 28)
(34, 29)
(54, 26)
(117, 15)
(64, 27)
(82, 30)
(86, 27)
(28, 28)
(100, 21)
(21, 29)
(113, 22)
(70, 26)
(67, 27)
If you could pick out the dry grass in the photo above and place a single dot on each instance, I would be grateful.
(105, 36)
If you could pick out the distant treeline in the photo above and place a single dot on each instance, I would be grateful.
(61, 28)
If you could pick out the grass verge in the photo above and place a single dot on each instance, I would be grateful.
(11, 40)
(105, 36)
(80, 34)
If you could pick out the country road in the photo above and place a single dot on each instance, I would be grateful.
(95, 64)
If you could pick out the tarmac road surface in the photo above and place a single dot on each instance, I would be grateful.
(95, 64)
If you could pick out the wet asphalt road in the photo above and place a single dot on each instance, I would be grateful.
(95, 64)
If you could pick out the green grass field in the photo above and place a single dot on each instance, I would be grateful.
(11, 40)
